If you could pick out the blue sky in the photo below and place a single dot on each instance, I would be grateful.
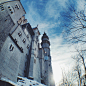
(48, 15)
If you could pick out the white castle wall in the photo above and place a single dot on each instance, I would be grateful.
(20, 54)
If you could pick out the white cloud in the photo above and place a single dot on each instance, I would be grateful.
(32, 15)
(53, 8)
(47, 27)
(60, 50)
(80, 4)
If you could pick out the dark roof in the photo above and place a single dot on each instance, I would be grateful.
(35, 28)
(45, 36)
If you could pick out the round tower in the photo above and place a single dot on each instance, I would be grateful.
(47, 58)
(45, 44)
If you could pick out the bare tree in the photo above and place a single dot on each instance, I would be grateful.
(75, 32)
(68, 78)
(79, 67)
(77, 71)
(75, 24)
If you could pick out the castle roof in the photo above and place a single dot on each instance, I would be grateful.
(46, 40)
(45, 36)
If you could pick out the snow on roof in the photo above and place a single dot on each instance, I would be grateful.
(27, 82)
(23, 82)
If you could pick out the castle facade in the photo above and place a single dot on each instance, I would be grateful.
(20, 50)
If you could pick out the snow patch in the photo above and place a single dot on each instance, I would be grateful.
(27, 82)
(23, 82)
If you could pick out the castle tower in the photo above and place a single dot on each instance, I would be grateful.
(45, 45)
(48, 75)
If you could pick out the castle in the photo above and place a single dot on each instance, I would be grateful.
(21, 54)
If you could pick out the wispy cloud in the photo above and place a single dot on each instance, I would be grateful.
(80, 4)
(61, 50)
(53, 8)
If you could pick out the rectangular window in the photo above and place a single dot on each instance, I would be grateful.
(28, 46)
(20, 34)
(24, 40)
(1, 7)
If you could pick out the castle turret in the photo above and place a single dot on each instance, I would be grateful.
(46, 44)
(48, 75)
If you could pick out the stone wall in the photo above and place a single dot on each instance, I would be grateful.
(9, 60)
(6, 24)
(10, 13)
(23, 45)
(10, 51)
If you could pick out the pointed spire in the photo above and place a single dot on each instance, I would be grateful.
(44, 33)
(45, 36)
